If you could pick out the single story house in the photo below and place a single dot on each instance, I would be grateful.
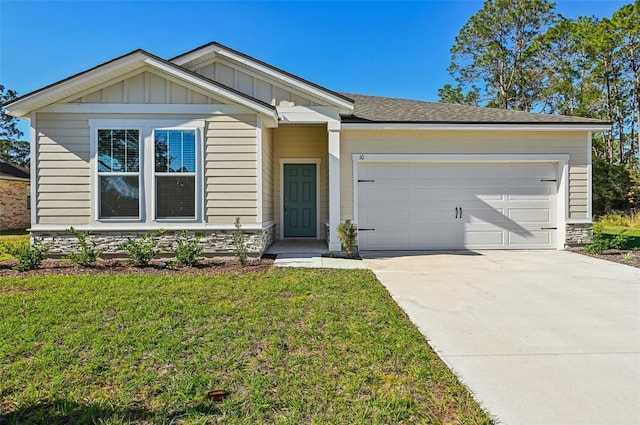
(141, 143)
(15, 204)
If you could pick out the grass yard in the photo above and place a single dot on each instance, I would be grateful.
(11, 237)
(290, 345)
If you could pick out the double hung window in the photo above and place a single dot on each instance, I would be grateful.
(118, 164)
(147, 172)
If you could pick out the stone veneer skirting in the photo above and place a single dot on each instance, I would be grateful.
(578, 234)
(214, 242)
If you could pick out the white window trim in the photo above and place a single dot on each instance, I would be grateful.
(147, 170)
(198, 189)
(98, 193)
(315, 161)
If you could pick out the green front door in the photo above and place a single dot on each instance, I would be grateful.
(300, 200)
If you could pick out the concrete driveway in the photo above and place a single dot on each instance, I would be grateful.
(546, 337)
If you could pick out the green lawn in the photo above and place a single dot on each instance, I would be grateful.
(11, 238)
(290, 345)
(632, 231)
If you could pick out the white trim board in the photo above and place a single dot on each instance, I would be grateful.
(476, 127)
(317, 162)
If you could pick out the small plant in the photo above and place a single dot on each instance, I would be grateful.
(29, 257)
(88, 253)
(188, 252)
(142, 251)
(628, 257)
(238, 240)
(347, 234)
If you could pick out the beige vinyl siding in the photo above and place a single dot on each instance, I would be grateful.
(467, 142)
(301, 142)
(149, 87)
(267, 175)
(248, 81)
(63, 185)
(231, 163)
(64, 175)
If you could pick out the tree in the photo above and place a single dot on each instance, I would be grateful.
(498, 50)
(12, 150)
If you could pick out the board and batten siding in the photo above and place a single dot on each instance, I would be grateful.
(301, 142)
(149, 87)
(267, 175)
(466, 142)
(249, 82)
(64, 174)
(231, 169)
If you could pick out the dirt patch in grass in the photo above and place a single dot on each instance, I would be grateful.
(210, 266)
(627, 257)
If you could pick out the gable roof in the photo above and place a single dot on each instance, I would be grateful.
(119, 67)
(376, 109)
(13, 172)
(214, 48)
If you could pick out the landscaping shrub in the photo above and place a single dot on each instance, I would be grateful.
(600, 242)
(29, 257)
(347, 234)
(142, 251)
(238, 240)
(188, 252)
(88, 253)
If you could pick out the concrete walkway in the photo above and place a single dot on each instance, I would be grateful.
(308, 253)
(548, 337)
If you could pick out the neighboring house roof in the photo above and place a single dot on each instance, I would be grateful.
(13, 172)
(119, 67)
(375, 109)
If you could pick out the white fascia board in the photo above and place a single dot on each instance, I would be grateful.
(147, 108)
(386, 157)
(228, 94)
(476, 127)
(21, 107)
(218, 50)
(308, 114)
(17, 179)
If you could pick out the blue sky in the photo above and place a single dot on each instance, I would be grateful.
(396, 49)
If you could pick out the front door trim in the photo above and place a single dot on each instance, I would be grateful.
(315, 161)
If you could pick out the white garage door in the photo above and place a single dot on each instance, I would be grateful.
(414, 206)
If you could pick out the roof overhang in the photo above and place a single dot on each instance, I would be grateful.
(476, 126)
(120, 67)
(216, 49)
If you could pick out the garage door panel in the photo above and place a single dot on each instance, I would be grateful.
(476, 238)
(530, 239)
(441, 194)
(387, 194)
(503, 206)
(531, 215)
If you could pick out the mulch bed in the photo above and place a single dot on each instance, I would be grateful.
(209, 266)
(627, 257)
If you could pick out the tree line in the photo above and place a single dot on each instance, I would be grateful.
(522, 55)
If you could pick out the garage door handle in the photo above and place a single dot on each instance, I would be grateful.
(460, 212)
(456, 212)
(548, 228)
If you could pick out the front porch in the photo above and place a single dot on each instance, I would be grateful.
(303, 176)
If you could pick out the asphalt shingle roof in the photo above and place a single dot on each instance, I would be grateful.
(10, 170)
(372, 109)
